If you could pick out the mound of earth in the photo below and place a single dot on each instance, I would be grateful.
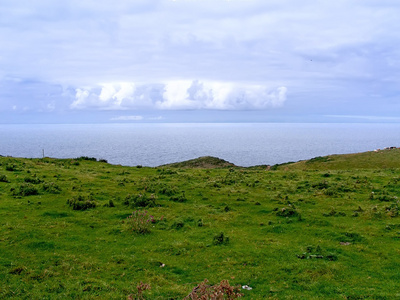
(204, 162)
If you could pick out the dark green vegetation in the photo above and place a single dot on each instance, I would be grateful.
(324, 228)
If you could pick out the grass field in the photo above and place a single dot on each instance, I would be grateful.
(327, 228)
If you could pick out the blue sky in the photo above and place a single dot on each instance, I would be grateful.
(199, 61)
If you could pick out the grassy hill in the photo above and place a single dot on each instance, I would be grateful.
(378, 159)
(326, 228)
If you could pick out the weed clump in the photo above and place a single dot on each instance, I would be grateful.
(140, 222)
(179, 198)
(11, 167)
(289, 211)
(26, 189)
(317, 253)
(223, 290)
(81, 202)
(51, 188)
(220, 239)
(33, 180)
(87, 158)
(139, 200)
(3, 178)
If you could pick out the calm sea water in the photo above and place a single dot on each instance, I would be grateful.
(157, 144)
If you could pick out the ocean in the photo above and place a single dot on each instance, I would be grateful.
(244, 144)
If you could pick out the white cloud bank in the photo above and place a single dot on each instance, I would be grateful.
(180, 95)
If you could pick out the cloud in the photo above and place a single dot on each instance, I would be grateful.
(247, 55)
(180, 95)
(127, 118)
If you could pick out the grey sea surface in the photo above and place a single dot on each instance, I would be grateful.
(244, 144)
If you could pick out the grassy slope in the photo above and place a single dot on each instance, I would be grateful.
(311, 230)
(367, 160)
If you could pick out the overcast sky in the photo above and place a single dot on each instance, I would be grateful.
(199, 60)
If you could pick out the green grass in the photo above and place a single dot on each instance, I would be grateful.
(328, 228)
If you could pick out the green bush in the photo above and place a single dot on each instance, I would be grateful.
(220, 239)
(140, 221)
(3, 178)
(51, 188)
(87, 158)
(11, 167)
(33, 180)
(81, 202)
(179, 198)
(139, 200)
(26, 189)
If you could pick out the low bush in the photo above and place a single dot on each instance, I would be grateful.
(140, 221)
(223, 290)
(139, 200)
(11, 167)
(33, 180)
(179, 198)
(289, 211)
(25, 189)
(3, 178)
(220, 239)
(87, 158)
(81, 202)
(51, 188)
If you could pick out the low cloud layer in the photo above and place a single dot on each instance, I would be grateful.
(180, 95)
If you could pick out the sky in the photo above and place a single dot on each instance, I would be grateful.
(199, 61)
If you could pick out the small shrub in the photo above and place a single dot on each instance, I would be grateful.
(3, 178)
(51, 188)
(102, 160)
(87, 158)
(178, 224)
(214, 292)
(26, 189)
(140, 200)
(110, 204)
(141, 287)
(11, 167)
(81, 203)
(317, 253)
(181, 198)
(289, 211)
(140, 222)
(321, 185)
(318, 159)
(168, 190)
(220, 239)
(33, 180)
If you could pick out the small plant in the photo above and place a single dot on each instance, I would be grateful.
(220, 291)
(33, 180)
(81, 203)
(181, 198)
(289, 211)
(26, 189)
(140, 200)
(317, 253)
(11, 167)
(51, 188)
(220, 239)
(3, 178)
(178, 224)
(109, 204)
(140, 221)
(141, 287)
(87, 158)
